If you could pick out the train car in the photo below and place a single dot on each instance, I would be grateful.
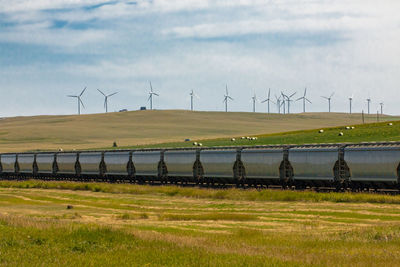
(9, 164)
(118, 164)
(373, 165)
(90, 163)
(218, 165)
(147, 165)
(180, 165)
(262, 165)
(67, 164)
(314, 165)
(45, 163)
(26, 164)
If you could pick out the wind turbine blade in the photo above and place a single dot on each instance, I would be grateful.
(112, 94)
(308, 101)
(84, 89)
(299, 98)
(292, 94)
(230, 98)
(327, 98)
(156, 94)
(305, 92)
(101, 92)
(149, 98)
(269, 92)
(72, 96)
(151, 87)
(264, 101)
(81, 103)
(332, 94)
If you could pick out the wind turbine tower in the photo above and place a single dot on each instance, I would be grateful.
(283, 103)
(254, 98)
(227, 98)
(288, 100)
(192, 96)
(151, 93)
(304, 100)
(368, 102)
(269, 100)
(381, 104)
(278, 103)
(329, 100)
(351, 101)
(106, 98)
(78, 97)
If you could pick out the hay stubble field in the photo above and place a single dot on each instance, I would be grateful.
(133, 225)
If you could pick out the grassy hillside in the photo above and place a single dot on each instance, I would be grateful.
(154, 127)
(171, 226)
(369, 132)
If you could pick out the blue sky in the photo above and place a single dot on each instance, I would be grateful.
(53, 48)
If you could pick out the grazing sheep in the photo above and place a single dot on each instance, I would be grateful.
(200, 144)
(341, 134)
(233, 139)
(195, 143)
(390, 124)
(321, 131)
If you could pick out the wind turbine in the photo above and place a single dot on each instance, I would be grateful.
(227, 98)
(278, 103)
(368, 102)
(329, 100)
(351, 101)
(192, 95)
(106, 98)
(304, 100)
(269, 100)
(254, 99)
(151, 93)
(283, 103)
(288, 100)
(381, 104)
(78, 97)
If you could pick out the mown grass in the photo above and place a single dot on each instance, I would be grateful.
(45, 243)
(221, 216)
(370, 132)
(202, 193)
(172, 228)
(168, 226)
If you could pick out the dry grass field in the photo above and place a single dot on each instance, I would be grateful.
(131, 225)
(152, 127)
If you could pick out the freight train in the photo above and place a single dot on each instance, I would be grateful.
(337, 166)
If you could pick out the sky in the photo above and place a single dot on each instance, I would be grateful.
(53, 48)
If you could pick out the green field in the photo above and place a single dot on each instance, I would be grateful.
(132, 225)
(150, 128)
(369, 132)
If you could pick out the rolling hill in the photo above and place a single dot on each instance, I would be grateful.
(153, 127)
